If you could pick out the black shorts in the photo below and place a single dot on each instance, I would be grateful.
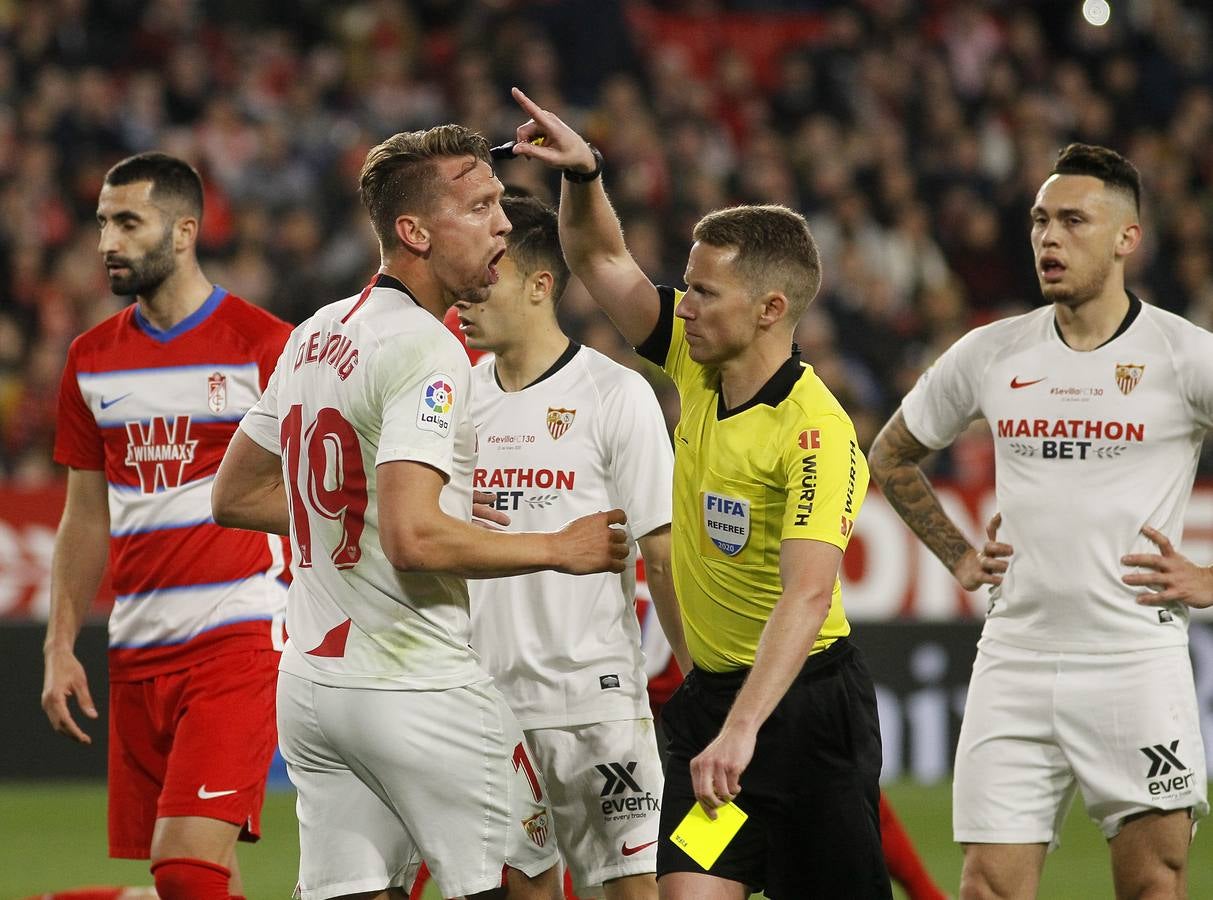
(811, 790)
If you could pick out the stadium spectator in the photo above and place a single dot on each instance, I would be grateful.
(913, 106)
(147, 403)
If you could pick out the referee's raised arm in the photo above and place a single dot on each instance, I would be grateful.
(590, 233)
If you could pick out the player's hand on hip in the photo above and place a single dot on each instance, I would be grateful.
(716, 772)
(594, 543)
(64, 677)
(1173, 578)
(485, 512)
(988, 565)
(547, 138)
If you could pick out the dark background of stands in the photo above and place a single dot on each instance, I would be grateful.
(912, 134)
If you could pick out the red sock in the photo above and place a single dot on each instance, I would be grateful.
(902, 859)
(191, 879)
(423, 878)
(85, 893)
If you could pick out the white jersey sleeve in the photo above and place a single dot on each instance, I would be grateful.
(418, 390)
(260, 423)
(1194, 371)
(947, 396)
(640, 458)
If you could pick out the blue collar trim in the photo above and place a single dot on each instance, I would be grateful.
(193, 320)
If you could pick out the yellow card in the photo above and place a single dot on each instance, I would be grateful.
(703, 839)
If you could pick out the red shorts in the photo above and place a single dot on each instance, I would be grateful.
(192, 743)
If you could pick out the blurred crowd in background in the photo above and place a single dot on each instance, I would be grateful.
(913, 135)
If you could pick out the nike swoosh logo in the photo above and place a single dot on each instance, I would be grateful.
(1016, 384)
(106, 404)
(628, 851)
(204, 794)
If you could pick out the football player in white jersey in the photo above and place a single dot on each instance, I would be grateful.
(362, 448)
(564, 431)
(1098, 404)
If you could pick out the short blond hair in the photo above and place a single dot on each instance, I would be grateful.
(775, 250)
(400, 175)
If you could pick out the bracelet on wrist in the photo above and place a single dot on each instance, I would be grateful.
(586, 177)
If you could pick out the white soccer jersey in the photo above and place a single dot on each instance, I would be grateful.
(1090, 446)
(589, 436)
(369, 380)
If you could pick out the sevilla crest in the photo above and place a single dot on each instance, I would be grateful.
(216, 386)
(536, 827)
(559, 421)
(1127, 376)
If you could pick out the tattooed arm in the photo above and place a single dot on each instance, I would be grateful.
(894, 460)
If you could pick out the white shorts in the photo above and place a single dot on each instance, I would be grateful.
(605, 784)
(387, 778)
(1121, 727)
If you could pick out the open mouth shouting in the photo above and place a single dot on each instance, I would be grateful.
(1052, 269)
(493, 274)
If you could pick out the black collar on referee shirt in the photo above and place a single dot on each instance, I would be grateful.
(1130, 316)
(774, 392)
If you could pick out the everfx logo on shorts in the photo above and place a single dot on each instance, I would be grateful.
(1163, 761)
(617, 779)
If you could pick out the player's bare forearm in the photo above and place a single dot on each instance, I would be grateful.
(808, 569)
(894, 463)
(655, 546)
(417, 536)
(248, 491)
(81, 548)
(785, 644)
(590, 232)
(80, 553)
(443, 544)
(261, 509)
(592, 240)
(436, 542)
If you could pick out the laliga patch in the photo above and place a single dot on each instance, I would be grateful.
(726, 521)
(437, 401)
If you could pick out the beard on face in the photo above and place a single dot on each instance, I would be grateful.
(1075, 295)
(145, 274)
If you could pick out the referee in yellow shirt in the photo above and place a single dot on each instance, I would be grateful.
(778, 713)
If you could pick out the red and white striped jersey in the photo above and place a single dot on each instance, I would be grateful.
(155, 410)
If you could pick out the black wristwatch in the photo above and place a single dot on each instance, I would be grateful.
(586, 177)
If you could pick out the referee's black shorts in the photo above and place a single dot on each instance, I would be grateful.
(812, 790)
